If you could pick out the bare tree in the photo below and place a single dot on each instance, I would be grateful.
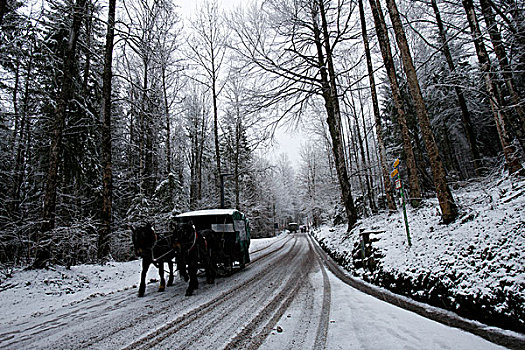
(511, 158)
(386, 52)
(377, 115)
(448, 207)
(208, 47)
(506, 70)
(107, 165)
(299, 61)
(465, 114)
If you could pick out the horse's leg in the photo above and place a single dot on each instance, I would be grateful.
(192, 269)
(145, 267)
(162, 285)
(170, 279)
(181, 265)
(211, 266)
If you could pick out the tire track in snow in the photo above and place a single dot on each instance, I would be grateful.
(249, 338)
(322, 330)
(177, 325)
(93, 321)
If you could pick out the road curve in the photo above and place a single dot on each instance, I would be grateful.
(286, 298)
(237, 312)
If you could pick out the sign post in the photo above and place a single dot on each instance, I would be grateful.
(399, 186)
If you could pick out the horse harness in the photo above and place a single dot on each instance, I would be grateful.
(159, 259)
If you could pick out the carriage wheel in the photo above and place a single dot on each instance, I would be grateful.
(242, 263)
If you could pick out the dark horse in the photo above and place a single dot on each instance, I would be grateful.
(194, 249)
(154, 251)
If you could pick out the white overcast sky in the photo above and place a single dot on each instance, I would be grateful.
(188, 6)
(288, 142)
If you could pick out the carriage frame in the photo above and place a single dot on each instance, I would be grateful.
(232, 228)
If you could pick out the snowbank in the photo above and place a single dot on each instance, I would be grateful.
(474, 266)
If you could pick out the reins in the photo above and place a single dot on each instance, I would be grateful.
(194, 239)
(157, 260)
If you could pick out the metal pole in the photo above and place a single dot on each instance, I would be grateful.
(402, 189)
(402, 192)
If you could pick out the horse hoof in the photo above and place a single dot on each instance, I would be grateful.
(170, 283)
(161, 289)
(141, 294)
(189, 293)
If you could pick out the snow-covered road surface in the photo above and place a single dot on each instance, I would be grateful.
(285, 299)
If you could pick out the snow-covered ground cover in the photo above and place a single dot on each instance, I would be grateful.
(31, 292)
(474, 266)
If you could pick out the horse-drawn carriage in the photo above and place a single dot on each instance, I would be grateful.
(212, 239)
(230, 228)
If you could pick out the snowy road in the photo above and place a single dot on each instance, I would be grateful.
(285, 299)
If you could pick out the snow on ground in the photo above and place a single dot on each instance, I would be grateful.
(379, 325)
(31, 292)
(481, 254)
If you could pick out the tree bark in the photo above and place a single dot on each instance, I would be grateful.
(377, 115)
(168, 123)
(107, 165)
(333, 120)
(509, 150)
(216, 125)
(465, 114)
(43, 252)
(384, 43)
(361, 150)
(506, 70)
(23, 139)
(449, 209)
(369, 168)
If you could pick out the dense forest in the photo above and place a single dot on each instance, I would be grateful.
(115, 112)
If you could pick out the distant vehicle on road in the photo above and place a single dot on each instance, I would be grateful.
(293, 227)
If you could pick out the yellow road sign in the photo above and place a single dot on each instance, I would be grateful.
(394, 173)
(396, 163)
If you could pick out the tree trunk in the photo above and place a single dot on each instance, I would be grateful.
(88, 48)
(377, 115)
(369, 168)
(352, 151)
(465, 114)
(216, 129)
(168, 124)
(509, 150)
(361, 150)
(107, 165)
(506, 70)
(141, 131)
(238, 140)
(449, 210)
(43, 252)
(384, 43)
(333, 113)
(23, 139)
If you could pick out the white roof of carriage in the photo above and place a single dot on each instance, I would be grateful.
(207, 212)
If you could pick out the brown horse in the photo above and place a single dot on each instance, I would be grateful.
(152, 250)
